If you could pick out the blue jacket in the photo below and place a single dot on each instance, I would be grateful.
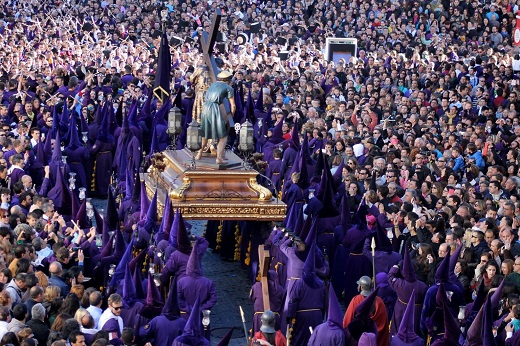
(459, 165)
(479, 161)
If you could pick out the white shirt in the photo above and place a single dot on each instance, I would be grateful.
(3, 328)
(95, 312)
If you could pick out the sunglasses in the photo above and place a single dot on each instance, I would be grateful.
(117, 308)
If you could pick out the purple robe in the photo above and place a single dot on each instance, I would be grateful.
(306, 305)
(78, 160)
(112, 326)
(294, 273)
(102, 170)
(404, 290)
(273, 172)
(189, 288)
(276, 293)
(327, 334)
(130, 312)
(16, 175)
(162, 330)
(134, 154)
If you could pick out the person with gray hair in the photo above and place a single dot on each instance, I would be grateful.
(39, 328)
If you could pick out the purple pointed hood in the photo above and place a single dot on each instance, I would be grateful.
(120, 245)
(259, 105)
(129, 184)
(194, 267)
(138, 261)
(346, 219)
(474, 333)
(362, 323)
(166, 221)
(277, 133)
(60, 194)
(56, 151)
(442, 273)
(171, 308)
(107, 248)
(81, 215)
(298, 225)
(75, 207)
(41, 159)
(129, 293)
(55, 129)
(65, 117)
(309, 267)
(123, 266)
(407, 270)
(382, 241)
(104, 134)
(334, 315)
(179, 237)
(306, 228)
(497, 294)
(137, 277)
(364, 308)
(406, 331)
(227, 338)
(74, 141)
(312, 236)
(249, 109)
(47, 150)
(111, 213)
(337, 177)
(97, 216)
(299, 166)
(105, 236)
(325, 194)
(487, 320)
(153, 296)
(145, 202)
(192, 327)
(453, 261)
(295, 137)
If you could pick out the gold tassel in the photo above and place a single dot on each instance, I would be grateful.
(219, 236)
(247, 261)
(238, 241)
(93, 180)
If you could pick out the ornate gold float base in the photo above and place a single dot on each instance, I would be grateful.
(210, 191)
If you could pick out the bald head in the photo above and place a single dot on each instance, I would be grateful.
(55, 268)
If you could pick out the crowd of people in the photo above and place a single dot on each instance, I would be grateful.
(399, 169)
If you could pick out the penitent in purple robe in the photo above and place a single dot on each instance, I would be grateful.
(276, 293)
(306, 302)
(273, 172)
(294, 273)
(129, 313)
(78, 160)
(404, 285)
(113, 328)
(102, 170)
(195, 286)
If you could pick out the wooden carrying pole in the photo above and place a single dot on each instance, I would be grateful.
(263, 259)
